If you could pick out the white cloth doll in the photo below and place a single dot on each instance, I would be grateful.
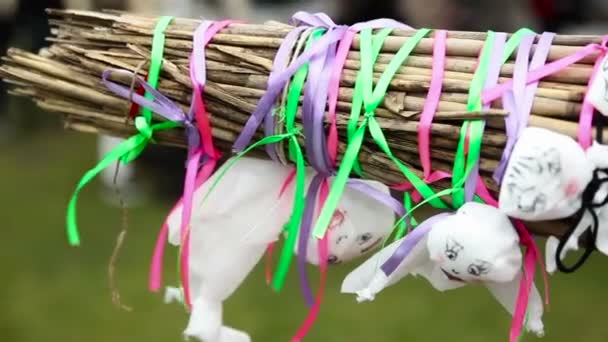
(545, 180)
(475, 245)
(242, 215)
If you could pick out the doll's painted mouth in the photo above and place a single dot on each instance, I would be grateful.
(366, 249)
(451, 276)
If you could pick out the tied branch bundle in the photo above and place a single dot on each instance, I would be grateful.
(66, 78)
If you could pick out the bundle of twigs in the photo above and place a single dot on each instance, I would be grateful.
(65, 78)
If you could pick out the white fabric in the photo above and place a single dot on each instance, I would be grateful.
(545, 177)
(477, 244)
(231, 229)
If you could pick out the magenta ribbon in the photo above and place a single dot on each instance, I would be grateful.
(531, 253)
(204, 155)
(548, 69)
(519, 101)
(322, 87)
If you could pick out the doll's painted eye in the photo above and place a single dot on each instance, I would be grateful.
(341, 238)
(479, 268)
(451, 255)
(364, 238)
(474, 270)
(452, 248)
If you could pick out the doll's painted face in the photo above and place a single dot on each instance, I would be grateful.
(456, 264)
(346, 242)
(545, 177)
(476, 244)
(358, 226)
(532, 176)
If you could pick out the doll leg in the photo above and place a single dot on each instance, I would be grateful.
(228, 334)
(206, 323)
(205, 320)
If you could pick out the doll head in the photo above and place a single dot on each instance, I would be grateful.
(545, 177)
(477, 243)
(359, 225)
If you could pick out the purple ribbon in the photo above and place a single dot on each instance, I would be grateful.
(160, 104)
(281, 59)
(307, 221)
(409, 242)
(313, 112)
(306, 226)
(494, 66)
(275, 86)
(519, 101)
(313, 107)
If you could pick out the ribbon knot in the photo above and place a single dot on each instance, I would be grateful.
(157, 103)
(143, 127)
(369, 113)
(295, 131)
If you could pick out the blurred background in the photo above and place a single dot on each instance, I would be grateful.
(55, 293)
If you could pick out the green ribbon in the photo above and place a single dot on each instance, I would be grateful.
(131, 148)
(295, 153)
(355, 111)
(156, 62)
(370, 98)
(403, 226)
(475, 128)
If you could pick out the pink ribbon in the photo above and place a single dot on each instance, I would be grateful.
(194, 178)
(332, 141)
(531, 254)
(432, 101)
(548, 69)
(585, 137)
(323, 247)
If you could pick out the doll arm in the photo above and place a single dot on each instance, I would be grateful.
(369, 278)
(601, 241)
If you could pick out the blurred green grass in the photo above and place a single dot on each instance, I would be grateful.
(55, 293)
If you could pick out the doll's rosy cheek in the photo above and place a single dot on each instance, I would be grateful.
(571, 189)
(438, 258)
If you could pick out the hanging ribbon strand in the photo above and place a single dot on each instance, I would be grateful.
(296, 154)
(130, 149)
(370, 100)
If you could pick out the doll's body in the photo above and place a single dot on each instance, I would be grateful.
(476, 245)
(545, 180)
(233, 227)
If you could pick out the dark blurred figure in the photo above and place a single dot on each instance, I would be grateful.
(479, 15)
(354, 11)
(557, 14)
(23, 23)
(26, 16)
